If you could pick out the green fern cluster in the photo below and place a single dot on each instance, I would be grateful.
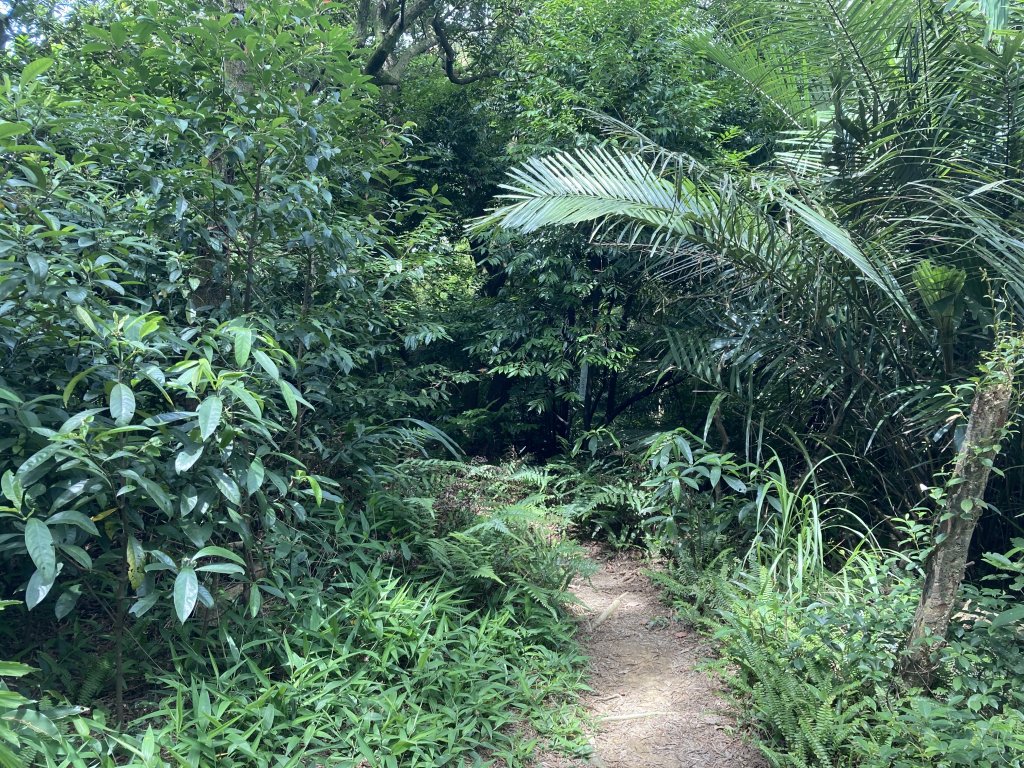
(97, 677)
(810, 714)
(604, 501)
(495, 532)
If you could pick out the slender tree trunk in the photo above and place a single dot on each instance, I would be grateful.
(307, 304)
(234, 70)
(251, 241)
(722, 434)
(586, 391)
(610, 403)
(964, 502)
(120, 599)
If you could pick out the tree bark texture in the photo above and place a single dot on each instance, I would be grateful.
(947, 563)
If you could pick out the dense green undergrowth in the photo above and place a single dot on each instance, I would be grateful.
(241, 285)
(417, 639)
(811, 614)
(817, 675)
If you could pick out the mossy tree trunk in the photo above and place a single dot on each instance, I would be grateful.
(964, 502)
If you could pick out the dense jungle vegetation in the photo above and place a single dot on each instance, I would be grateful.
(329, 327)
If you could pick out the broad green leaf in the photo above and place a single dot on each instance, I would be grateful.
(205, 598)
(247, 399)
(187, 457)
(33, 70)
(228, 568)
(226, 485)
(11, 700)
(118, 33)
(37, 590)
(255, 600)
(12, 129)
(136, 557)
(85, 318)
(219, 552)
(149, 744)
(39, 542)
(153, 489)
(318, 493)
(243, 345)
(1011, 616)
(289, 397)
(14, 669)
(69, 388)
(26, 718)
(186, 593)
(122, 403)
(12, 489)
(254, 477)
(70, 517)
(79, 555)
(267, 364)
(11, 397)
(65, 603)
(180, 206)
(735, 483)
(40, 267)
(210, 411)
(33, 465)
(73, 423)
(143, 604)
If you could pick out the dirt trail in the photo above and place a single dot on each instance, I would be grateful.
(652, 707)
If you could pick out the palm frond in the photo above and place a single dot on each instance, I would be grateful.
(570, 188)
(608, 187)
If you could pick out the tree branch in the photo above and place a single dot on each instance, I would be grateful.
(659, 386)
(397, 22)
(449, 57)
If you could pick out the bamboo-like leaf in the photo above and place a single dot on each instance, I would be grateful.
(840, 240)
(571, 188)
(601, 185)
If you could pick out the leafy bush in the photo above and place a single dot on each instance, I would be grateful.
(374, 653)
(812, 616)
(818, 671)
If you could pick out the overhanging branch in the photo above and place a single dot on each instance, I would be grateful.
(448, 53)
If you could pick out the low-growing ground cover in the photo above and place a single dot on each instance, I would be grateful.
(417, 640)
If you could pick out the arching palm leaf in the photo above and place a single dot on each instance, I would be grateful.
(659, 201)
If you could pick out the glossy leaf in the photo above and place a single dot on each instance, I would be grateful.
(243, 346)
(122, 403)
(39, 542)
(186, 593)
(226, 485)
(39, 586)
(187, 457)
(209, 412)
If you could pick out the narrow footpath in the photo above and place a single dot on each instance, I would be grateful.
(652, 707)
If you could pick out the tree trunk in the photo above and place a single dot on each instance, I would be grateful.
(964, 502)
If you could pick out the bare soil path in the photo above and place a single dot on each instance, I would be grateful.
(652, 707)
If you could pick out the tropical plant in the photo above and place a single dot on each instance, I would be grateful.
(818, 262)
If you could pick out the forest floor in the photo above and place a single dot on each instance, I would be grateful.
(652, 704)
